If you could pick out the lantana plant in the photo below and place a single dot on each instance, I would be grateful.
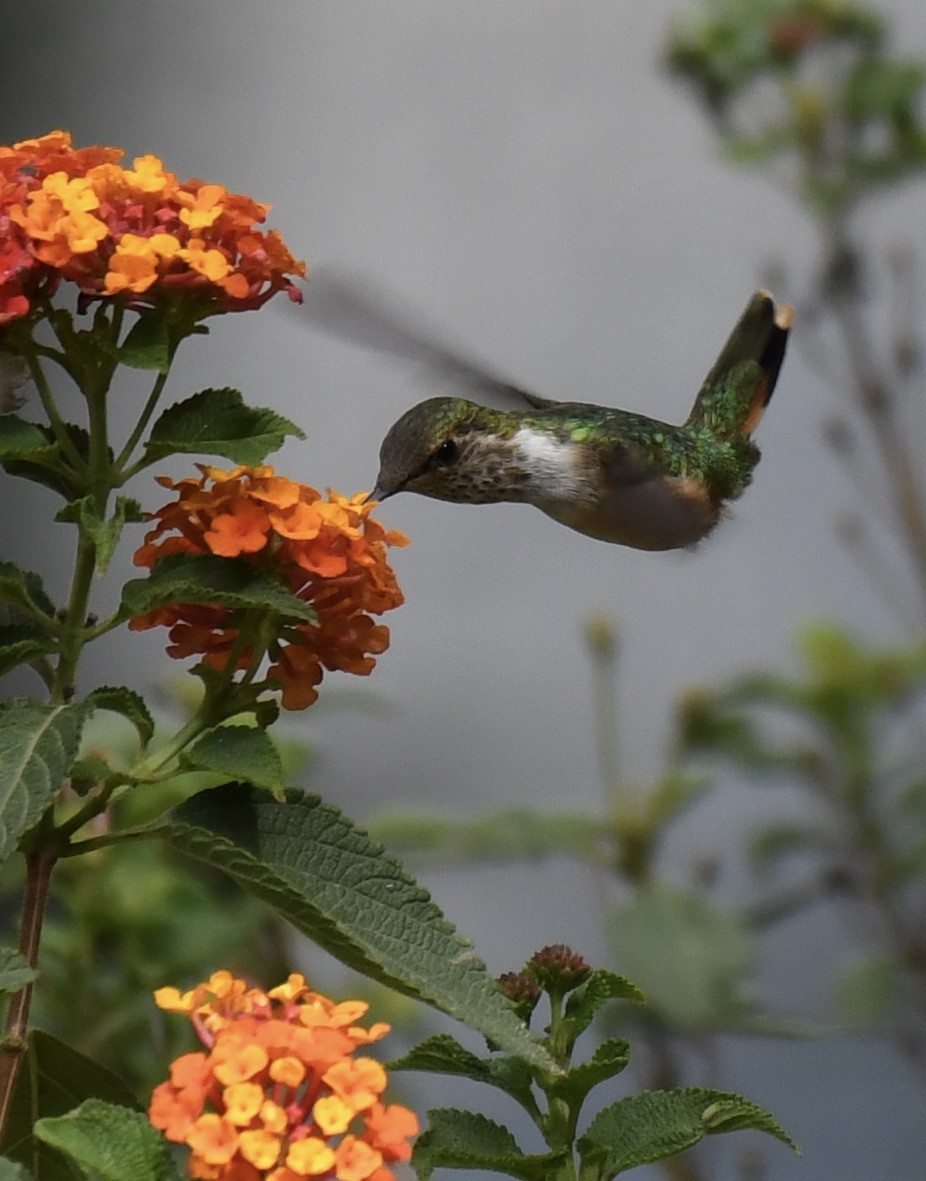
(267, 585)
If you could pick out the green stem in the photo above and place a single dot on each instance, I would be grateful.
(605, 690)
(56, 422)
(148, 768)
(108, 840)
(132, 442)
(91, 808)
(876, 399)
(73, 634)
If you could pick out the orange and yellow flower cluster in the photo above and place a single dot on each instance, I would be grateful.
(330, 553)
(277, 1094)
(77, 214)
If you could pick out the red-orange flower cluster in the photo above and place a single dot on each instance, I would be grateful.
(277, 1095)
(76, 214)
(330, 553)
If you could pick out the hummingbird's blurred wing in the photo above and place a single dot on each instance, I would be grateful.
(352, 309)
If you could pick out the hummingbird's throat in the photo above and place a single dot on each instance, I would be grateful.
(526, 466)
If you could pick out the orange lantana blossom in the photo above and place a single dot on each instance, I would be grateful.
(140, 233)
(277, 1094)
(328, 552)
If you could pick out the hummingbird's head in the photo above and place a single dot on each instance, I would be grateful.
(441, 448)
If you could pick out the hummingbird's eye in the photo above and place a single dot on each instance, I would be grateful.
(447, 453)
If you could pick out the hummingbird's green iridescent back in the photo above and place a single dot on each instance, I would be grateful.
(612, 474)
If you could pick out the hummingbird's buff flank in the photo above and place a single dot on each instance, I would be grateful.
(611, 474)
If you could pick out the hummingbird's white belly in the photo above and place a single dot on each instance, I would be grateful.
(659, 513)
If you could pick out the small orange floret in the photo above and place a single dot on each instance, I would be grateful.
(78, 215)
(307, 1108)
(328, 552)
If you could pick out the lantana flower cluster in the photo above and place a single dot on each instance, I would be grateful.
(328, 552)
(277, 1093)
(77, 214)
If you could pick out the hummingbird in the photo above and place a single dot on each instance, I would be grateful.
(614, 475)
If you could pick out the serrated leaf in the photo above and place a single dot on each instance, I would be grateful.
(87, 772)
(467, 1140)
(602, 986)
(103, 532)
(19, 438)
(218, 422)
(658, 1124)
(147, 344)
(47, 465)
(15, 972)
(342, 890)
(608, 1060)
(120, 700)
(21, 643)
(110, 1143)
(219, 582)
(443, 1054)
(689, 956)
(23, 589)
(38, 744)
(54, 1079)
(243, 753)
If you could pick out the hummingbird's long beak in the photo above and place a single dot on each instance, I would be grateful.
(378, 493)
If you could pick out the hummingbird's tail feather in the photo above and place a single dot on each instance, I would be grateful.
(734, 394)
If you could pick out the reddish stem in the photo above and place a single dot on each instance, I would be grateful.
(39, 868)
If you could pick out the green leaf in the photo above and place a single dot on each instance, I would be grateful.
(120, 700)
(15, 972)
(11, 1171)
(110, 1143)
(53, 1079)
(147, 343)
(602, 986)
(608, 1060)
(673, 795)
(21, 643)
(218, 422)
(466, 1140)
(870, 993)
(659, 1124)
(336, 886)
(880, 88)
(243, 753)
(47, 464)
(19, 438)
(103, 532)
(38, 744)
(88, 772)
(776, 842)
(23, 589)
(689, 956)
(443, 1054)
(219, 582)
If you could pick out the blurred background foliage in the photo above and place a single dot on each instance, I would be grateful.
(811, 94)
